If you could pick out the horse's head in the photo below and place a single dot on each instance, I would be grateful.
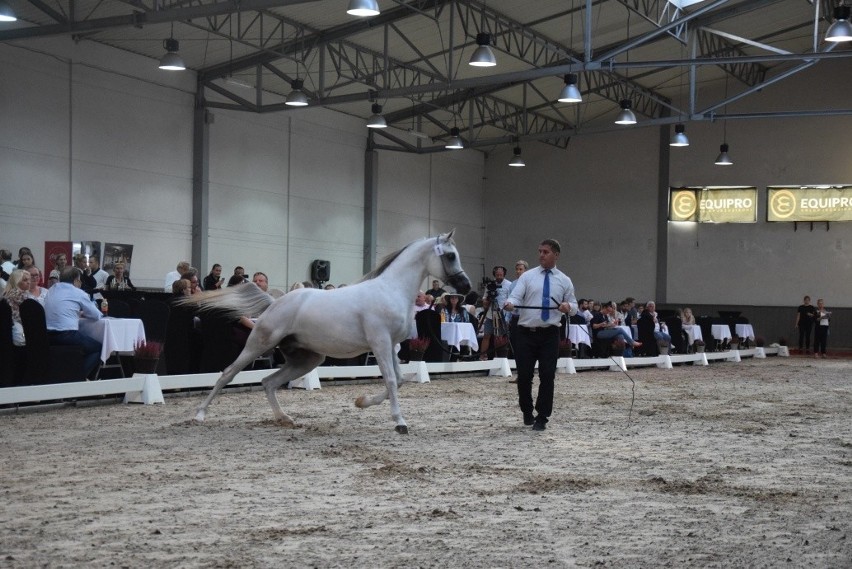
(447, 263)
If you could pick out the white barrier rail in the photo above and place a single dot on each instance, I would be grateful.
(148, 388)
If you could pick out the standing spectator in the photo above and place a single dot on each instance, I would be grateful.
(172, 276)
(538, 330)
(805, 316)
(6, 267)
(181, 287)
(82, 263)
(241, 272)
(498, 296)
(26, 260)
(98, 277)
(119, 280)
(823, 316)
(436, 291)
(62, 310)
(214, 280)
(19, 264)
(36, 291)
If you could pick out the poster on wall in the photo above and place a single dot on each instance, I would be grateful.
(713, 204)
(56, 252)
(88, 249)
(803, 203)
(117, 253)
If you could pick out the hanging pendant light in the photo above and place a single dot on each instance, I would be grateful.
(483, 56)
(679, 137)
(516, 160)
(6, 12)
(570, 92)
(723, 159)
(363, 8)
(172, 61)
(841, 29)
(626, 116)
(377, 120)
(297, 97)
(455, 141)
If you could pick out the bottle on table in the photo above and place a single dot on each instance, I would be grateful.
(104, 307)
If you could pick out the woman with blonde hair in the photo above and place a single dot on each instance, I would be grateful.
(36, 291)
(688, 318)
(118, 280)
(15, 294)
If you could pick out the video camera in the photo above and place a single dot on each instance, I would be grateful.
(490, 286)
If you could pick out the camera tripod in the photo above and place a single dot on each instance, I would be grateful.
(500, 328)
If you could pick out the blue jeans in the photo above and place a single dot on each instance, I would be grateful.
(91, 347)
(613, 333)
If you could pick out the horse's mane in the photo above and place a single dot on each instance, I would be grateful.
(382, 267)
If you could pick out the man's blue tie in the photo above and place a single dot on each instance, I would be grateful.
(545, 300)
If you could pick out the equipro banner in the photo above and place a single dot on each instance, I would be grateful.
(809, 204)
(714, 205)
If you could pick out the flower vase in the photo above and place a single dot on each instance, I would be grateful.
(145, 365)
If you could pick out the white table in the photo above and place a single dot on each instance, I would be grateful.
(115, 334)
(693, 331)
(721, 332)
(745, 331)
(580, 334)
(458, 334)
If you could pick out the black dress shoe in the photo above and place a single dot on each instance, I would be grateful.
(528, 419)
(539, 426)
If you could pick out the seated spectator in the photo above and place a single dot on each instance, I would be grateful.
(15, 293)
(648, 322)
(236, 280)
(36, 292)
(62, 310)
(60, 261)
(191, 275)
(452, 309)
(604, 327)
(688, 318)
(181, 287)
(632, 313)
(329, 286)
(214, 280)
(583, 311)
(262, 282)
(296, 285)
(421, 302)
(308, 284)
(172, 276)
(436, 291)
(241, 272)
(118, 280)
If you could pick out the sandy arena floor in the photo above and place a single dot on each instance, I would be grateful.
(731, 465)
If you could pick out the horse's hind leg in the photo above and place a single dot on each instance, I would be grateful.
(298, 363)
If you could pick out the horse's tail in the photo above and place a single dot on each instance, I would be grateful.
(242, 300)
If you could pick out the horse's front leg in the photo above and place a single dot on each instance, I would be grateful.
(384, 357)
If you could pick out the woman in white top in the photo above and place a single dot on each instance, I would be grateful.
(36, 291)
(823, 316)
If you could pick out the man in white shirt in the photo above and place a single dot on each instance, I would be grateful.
(172, 276)
(63, 307)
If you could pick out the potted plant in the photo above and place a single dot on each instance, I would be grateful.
(501, 346)
(417, 348)
(734, 344)
(663, 346)
(617, 347)
(565, 347)
(699, 346)
(145, 356)
(759, 341)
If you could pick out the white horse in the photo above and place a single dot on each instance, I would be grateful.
(309, 324)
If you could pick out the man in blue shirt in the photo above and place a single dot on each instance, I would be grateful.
(65, 304)
(542, 295)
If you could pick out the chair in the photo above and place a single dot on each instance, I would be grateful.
(675, 325)
(429, 326)
(154, 315)
(218, 349)
(119, 308)
(47, 363)
(645, 327)
(11, 356)
(181, 344)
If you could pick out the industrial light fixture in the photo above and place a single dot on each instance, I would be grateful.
(679, 137)
(172, 61)
(297, 97)
(6, 12)
(363, 8)
(483, 56)
(516, 160)
(455, 141)
(570, 93)
(377, 120)
(841, 29)
(626, 116)
(723, 159)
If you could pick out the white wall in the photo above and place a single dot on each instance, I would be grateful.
(599, 199)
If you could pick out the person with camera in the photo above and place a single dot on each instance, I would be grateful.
(496, 293)
(541, 296)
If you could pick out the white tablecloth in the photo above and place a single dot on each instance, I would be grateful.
(116, 334)
(693, 331)
(580, 334)
(721, 332)
(745, 331)
(459, 333)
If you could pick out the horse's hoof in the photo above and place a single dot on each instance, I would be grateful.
(402, 429)
(287, 424)
(361, 402)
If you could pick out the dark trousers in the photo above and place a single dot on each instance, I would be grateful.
(531, 345)
(91, 347)
(820, 339)
(805, 335)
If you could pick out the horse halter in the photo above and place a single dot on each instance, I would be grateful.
(439, 251)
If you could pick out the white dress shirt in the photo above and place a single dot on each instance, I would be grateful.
(63, 305)
(528, 291)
